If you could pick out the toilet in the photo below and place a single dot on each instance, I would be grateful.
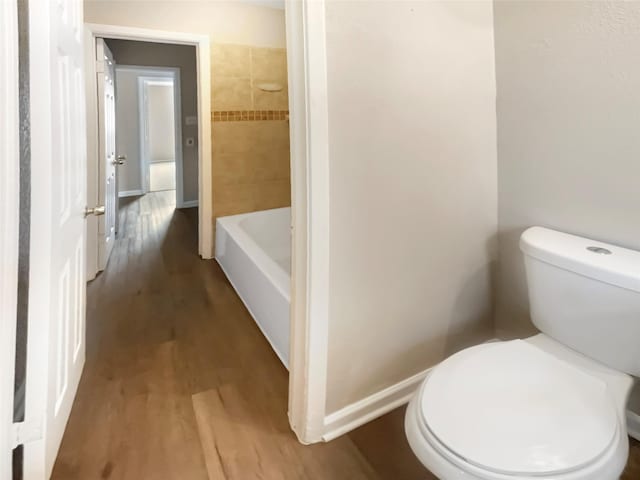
(551, 406)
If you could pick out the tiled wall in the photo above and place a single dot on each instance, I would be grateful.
(250, 130)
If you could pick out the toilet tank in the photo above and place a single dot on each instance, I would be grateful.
(586, 295)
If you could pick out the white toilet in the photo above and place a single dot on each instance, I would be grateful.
(551, 406)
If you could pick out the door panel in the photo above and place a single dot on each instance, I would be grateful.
(107, 190)
(66, 356)
(55, 348)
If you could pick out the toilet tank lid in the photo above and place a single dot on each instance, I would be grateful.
(600, 261)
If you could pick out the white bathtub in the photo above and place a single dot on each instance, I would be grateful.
(254, 251)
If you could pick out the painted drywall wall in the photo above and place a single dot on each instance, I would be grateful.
(146, 54)
(160, 127)
(413, 214)
(224, 21)
(568, 144)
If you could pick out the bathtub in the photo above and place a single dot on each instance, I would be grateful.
(254, 251)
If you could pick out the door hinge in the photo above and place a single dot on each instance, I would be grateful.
(99, 66)
(27, 432)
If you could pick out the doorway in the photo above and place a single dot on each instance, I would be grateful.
(149, 134)
(158, 121)
(44, 313)
(184, 59)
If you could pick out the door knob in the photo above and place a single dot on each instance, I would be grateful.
(120, 160)
(97, 211)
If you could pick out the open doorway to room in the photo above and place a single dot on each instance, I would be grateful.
(157, 116)
(148, 137)
(147, 127)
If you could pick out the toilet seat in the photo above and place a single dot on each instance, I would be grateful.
(513, 410)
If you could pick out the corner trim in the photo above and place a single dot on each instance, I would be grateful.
(369, 408)
(309, 134)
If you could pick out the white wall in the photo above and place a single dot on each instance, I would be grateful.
(160, 127)
(568, 131)
(413, 213)
(230, 21)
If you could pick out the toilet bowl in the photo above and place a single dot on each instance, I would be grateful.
(551, 406)
(548, 412)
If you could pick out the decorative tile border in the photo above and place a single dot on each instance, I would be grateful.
(249, 115)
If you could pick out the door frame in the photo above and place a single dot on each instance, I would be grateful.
(9, 219)
(309, 146)
(203, 71)
(174, 75)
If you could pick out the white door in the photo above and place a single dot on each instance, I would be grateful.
(57, 280)
(107, 161)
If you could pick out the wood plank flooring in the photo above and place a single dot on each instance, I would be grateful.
(180, 384)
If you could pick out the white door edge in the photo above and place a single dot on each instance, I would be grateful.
(9, 219)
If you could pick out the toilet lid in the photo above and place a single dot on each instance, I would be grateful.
(512, 408)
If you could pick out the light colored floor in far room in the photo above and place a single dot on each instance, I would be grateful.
(180, 383)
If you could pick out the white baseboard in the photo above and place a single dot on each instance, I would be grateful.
(633, 424)
(130, 193)
(374, 406)
(189, 204)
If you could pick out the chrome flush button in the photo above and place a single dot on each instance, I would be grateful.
(600, 250)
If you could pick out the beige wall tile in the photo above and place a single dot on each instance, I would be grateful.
(233, 137)
(272, 135)
(233, 199)
(269, 64)
(273, 194)
(270, 100)
(232, 94)
(230, 60)
(251, 167)
(232, 168)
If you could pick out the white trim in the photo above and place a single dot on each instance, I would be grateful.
(9, 220)
(356, 414)
(633, 424)
(130, 193)
(375, 405)
(201, 42)
(309, 134)
(189, 204)
(142, 137)
(40, 250)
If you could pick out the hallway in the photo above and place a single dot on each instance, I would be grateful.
(179, 383)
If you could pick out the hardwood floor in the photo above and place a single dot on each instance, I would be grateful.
(179, 383)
